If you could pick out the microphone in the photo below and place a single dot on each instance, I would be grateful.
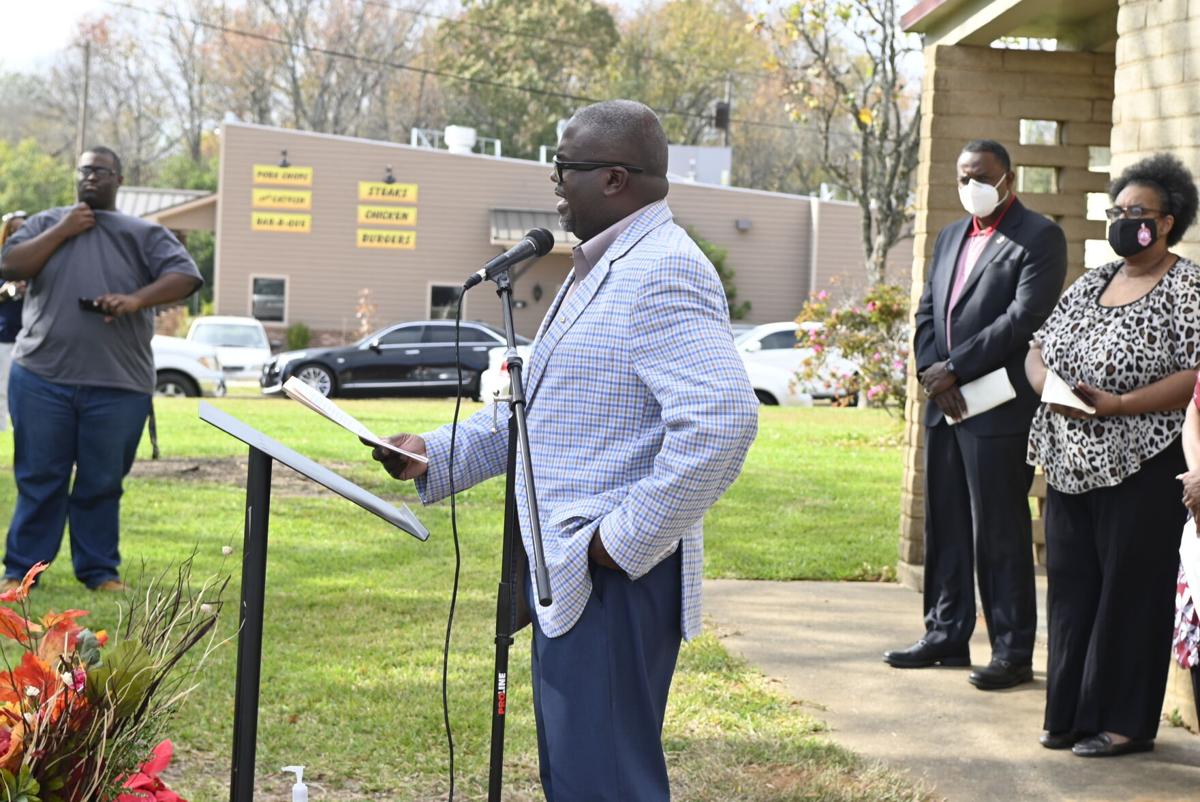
(537, 242)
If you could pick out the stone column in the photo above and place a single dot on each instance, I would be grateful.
(1157, 108)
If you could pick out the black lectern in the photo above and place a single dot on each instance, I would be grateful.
(264, 450)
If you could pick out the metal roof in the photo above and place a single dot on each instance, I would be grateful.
(145, 201)
(510, 225)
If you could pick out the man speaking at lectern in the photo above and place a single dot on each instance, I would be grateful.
(640, 415)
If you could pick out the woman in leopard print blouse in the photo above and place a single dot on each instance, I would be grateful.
(1126, 338)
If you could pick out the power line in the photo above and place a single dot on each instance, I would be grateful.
(530, 90)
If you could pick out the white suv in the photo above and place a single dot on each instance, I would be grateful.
(241, 344)
(182, 368)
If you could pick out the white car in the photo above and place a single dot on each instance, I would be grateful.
(773, 361)
(241, 344)
(493, 382)
(184, 368)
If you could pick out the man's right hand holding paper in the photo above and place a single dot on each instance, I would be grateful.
(397, 465)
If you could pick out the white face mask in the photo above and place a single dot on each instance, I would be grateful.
(978, 198)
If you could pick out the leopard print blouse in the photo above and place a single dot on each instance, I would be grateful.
(1118, 349)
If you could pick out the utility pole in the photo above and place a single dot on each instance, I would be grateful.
(81, 122)
(728, 101)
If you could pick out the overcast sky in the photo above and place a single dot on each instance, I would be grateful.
(32, 30)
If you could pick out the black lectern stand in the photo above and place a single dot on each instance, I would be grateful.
(264, 450)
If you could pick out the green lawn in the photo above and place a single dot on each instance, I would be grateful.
(356, 610)
(818, 498)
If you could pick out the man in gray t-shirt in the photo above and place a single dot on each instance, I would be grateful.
(83, 372)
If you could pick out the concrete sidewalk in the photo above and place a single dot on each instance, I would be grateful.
(824, 642)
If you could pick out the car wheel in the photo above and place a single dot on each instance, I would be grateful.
(316, 377)
(766, 398)
(173, 384)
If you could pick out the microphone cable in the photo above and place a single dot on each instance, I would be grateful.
(454, 531)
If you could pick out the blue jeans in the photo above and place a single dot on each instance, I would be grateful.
(57, 428)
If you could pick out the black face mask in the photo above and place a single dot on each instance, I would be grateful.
(1128, 237)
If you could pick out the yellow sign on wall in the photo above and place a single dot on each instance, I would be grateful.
(286, 176)
(387, 215)
(282, 199)
(383, 191)
(281, 221)
(382, 238)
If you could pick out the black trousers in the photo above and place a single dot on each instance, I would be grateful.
(1112, 559)
(1196, 688)
(977, 519)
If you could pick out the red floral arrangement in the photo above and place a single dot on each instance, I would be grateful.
(78, 715)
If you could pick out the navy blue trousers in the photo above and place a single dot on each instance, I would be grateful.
(59, 429)
(600, 690)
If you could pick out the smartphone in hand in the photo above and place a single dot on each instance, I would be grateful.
(90, 305)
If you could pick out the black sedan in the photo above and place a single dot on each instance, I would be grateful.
(404, 359)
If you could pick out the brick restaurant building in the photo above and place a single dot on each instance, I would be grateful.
(1123, 83)
(298, 244)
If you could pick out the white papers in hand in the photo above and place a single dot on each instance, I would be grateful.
(987, 392)
(1189, 557)
(306, 395)
(1057, 391)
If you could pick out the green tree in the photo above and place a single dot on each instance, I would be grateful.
(32, 179)
(181, 171)
(717, 255)
(682, 56)
(202, 245)
(559, 47)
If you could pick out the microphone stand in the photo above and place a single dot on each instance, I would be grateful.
(510, 562)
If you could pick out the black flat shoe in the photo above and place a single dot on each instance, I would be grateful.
(1102, 746)
(1000, 674)
(1059, 740)
(923, 654)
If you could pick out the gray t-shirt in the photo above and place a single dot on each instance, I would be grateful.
(61, 342)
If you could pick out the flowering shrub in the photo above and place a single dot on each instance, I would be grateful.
(79, 716)
(873, 334)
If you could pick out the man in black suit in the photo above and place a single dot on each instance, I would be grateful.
(993, 281)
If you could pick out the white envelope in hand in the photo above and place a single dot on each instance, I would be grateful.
(985, 393)
(1057, 391)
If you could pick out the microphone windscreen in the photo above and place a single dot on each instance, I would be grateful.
(542, 240)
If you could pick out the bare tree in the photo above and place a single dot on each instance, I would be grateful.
(337, 58)
(185, 72)
(129, 102)
(771, 150)
(127, 106)
(843, 60)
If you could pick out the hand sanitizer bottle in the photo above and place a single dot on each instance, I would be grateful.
(299, 790)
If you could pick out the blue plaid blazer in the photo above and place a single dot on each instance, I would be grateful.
(640, 415)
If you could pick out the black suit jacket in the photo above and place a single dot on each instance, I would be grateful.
(1007, 297)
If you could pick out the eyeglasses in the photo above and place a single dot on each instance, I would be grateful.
(1130, 212)
(585, 167)
(89, 170)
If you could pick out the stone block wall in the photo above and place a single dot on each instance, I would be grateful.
(979, 92)
(1157, 108)
(1157, 104)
